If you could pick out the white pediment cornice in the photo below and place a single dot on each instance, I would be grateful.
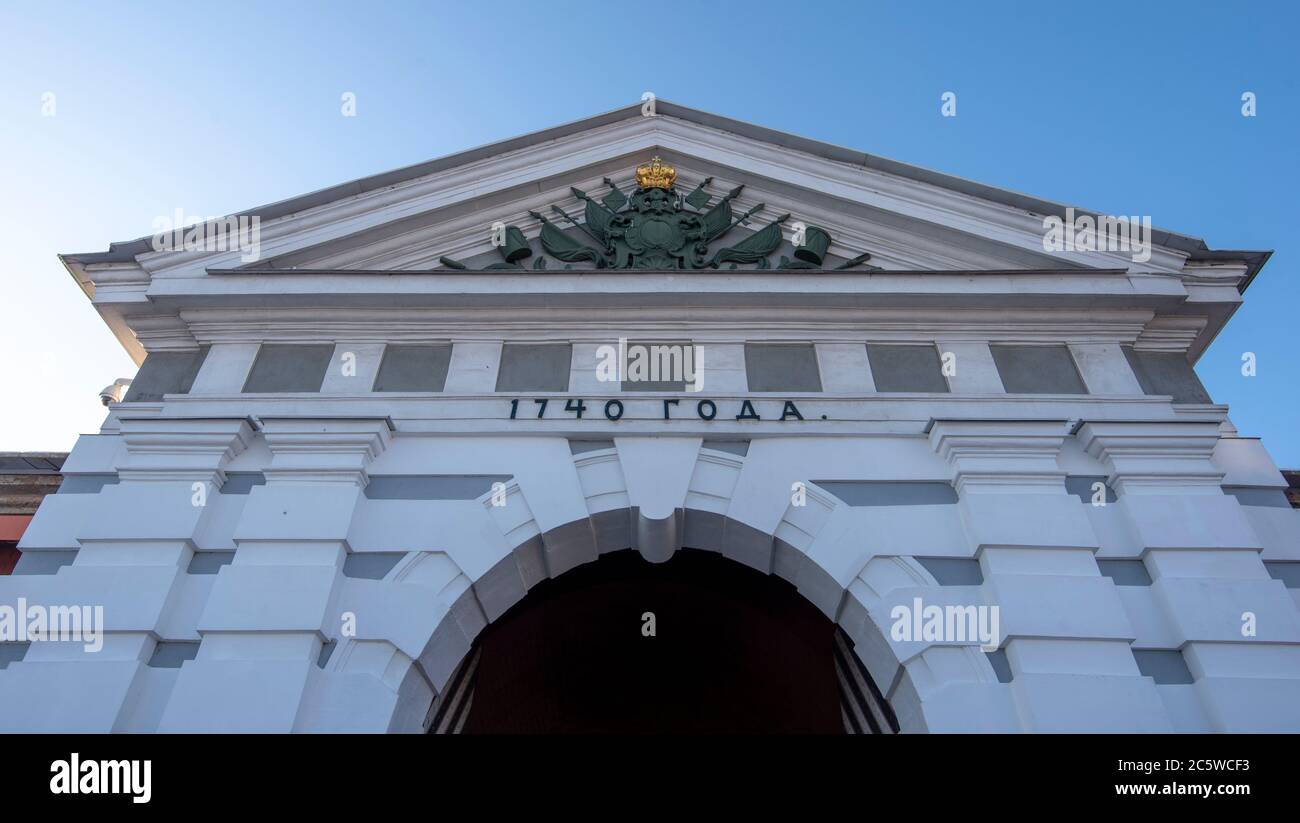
(895, 243)
(906, 222)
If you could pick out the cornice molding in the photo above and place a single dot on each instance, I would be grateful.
(1001, 456)
(720, 325)
(318, 450)
(1154, 457)
(180, 449)
(927, 204)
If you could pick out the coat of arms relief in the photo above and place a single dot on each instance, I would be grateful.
(657, 228)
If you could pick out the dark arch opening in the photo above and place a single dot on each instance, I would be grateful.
(733, 651)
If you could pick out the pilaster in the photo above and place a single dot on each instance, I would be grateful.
(1236, 627)
(1064, 630)
(271, 610)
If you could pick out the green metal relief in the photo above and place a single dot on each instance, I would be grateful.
(658, 229)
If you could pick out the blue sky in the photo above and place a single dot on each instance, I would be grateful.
(1125, 108)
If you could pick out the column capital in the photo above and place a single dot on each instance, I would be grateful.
(1170, 457)
(181, 449)
(324, 450)
(1002, 455)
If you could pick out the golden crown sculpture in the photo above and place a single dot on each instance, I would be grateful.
(657, 175)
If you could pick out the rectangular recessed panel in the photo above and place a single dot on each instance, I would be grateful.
(431, 486)
(1162, 372)
(12, 653)
(1082, 487)
(209, 562)
(170, 654)
(737, 447)
(664, 360)
(784, 367)
(891, 492)
(526, 367)
(583, 446)
(1286, 571)
(165, 372)
(242, 482)
(413, 368)
(1037, 370)
(34, 562)
(1125, 572)
(1268, 496)
(86, 483)
(288, 368)
(370, 565)
(1165, 666)
(906, 368)
(953, 571)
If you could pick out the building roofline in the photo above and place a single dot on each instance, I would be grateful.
(1194, 247)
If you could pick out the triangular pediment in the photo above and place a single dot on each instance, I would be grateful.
(877, 216)
(905, 218)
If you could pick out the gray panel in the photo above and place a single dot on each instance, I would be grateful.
(44, 562)
(891, 492)
(786, 367)
(582, 446)
(953, 571)
(534, 367)
(746, 544)
(1286, 571)
(413, 368)
(786, 561)
(500, 587)
(86, 483)
(1269, 496)
(165, 372)
(906, 368)
(209, 562)
(1080, 485)
(370, 565)
(569, 546)
(1037, 370)
(431, 486)
(1165, 666)
(703, 530)
(242, 482)
(12, 652)
(326, 651)
(170, 654)
(1002, 668)
(668, 361)
(530, 561)
(1125, 572)
(737, 447)
(1160, 372)
(288, 368)
(613, 530)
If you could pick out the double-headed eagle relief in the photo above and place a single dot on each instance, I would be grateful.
(658, 229)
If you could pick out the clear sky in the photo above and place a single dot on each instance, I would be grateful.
(1126, 108)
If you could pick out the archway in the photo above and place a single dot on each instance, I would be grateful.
(699, 644)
